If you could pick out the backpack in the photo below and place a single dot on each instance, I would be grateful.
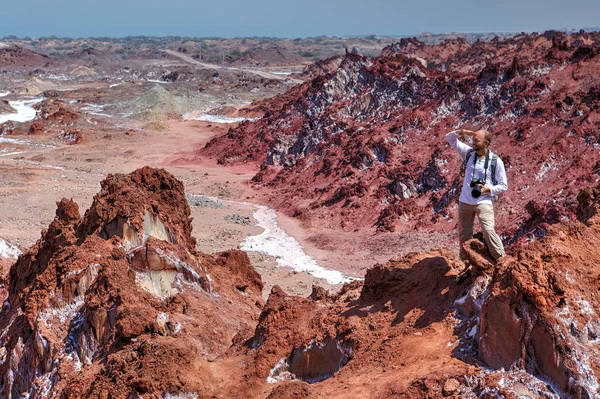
(493, 161)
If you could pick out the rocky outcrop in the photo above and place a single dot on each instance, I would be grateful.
(541, 313)
(16, 56)
(6, 108)
(118, 302)
(416, 325)
(322, 67)
(382, 121)
(55, 117)
(53, 111)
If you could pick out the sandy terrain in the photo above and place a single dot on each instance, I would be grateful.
(34, 180)
(125, 114)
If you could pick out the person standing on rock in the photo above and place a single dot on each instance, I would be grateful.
(485, 178)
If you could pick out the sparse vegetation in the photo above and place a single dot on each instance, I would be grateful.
(265, 50)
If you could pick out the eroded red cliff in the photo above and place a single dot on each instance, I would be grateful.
(364, 145)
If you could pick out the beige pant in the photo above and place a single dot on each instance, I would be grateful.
(485, 214)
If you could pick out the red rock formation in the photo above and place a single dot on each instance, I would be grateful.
(322, 67)
(412, 330)
(119, 304)
(120, 291)
(53, 111)
(541, 312)
(381, 122)
(54, 117)
(15, 56)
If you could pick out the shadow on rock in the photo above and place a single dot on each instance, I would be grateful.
(419, 281)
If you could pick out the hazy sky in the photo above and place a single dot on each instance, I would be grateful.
(232, 18)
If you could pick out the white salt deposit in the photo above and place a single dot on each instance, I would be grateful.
(42, 165)
(162, 317)
(61, 313)
(8, 140)
(95, 109)
(62, 77)
(8, 251)
(288, 252)
(4, 93)
(275, 242)
(185, 395)
(222, 119)
(11, 153)
(25, 111)
(279, 373)
(584, 306)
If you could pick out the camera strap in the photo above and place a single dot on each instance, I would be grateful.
(485, 166)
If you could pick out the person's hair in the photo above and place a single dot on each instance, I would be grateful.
(488, 137)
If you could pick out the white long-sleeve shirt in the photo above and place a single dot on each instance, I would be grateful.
(465, 193)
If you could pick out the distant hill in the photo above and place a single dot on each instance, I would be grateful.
(22, 57)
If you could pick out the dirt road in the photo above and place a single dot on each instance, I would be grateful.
(221, 67)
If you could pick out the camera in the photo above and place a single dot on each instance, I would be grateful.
(476, 192)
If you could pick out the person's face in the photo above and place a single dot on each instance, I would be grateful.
(479, 142)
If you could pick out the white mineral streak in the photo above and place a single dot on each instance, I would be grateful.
(25, 111)
(8, 251)
(222, 119)
(288, 252)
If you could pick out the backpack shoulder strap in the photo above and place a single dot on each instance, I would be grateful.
(471, 151)
(493, 168)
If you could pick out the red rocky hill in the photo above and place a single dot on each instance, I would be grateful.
(119, 301)
(118, 304)
(364, 145)
(16, 56)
